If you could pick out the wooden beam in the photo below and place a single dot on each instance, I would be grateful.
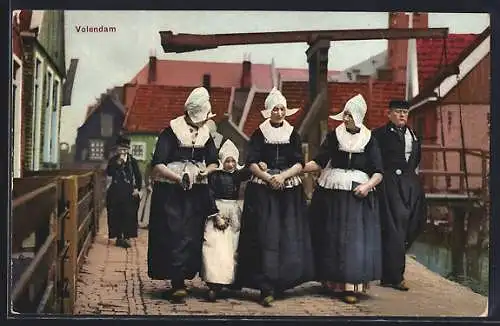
(194, 42)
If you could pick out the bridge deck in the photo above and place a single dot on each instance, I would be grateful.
(114, 281)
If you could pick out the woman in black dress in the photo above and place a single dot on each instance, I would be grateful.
(274, 251)
(184, 156)
(344, 211)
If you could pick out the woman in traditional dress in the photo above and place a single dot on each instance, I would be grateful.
(184, 156)
(344, 211)
(274, 252)
(122, 197)
(222, 230)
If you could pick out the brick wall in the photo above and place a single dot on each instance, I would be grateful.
(27, 103)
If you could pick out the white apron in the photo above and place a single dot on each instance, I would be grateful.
(219, 247)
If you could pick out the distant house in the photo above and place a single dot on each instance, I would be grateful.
(153, 108)
(454, 97)
(97, 135)
(39, 79)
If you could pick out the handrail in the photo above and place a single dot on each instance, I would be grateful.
(24, 198)
(68, 238)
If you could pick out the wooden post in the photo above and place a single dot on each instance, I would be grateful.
(484, 181)
(71, 235)
(97, 201)
(54, 229)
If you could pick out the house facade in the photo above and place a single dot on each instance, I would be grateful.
(43, 75)
(453, 110)
(16, 100)
(96, 137)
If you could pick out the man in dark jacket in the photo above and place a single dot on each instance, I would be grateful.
(122, 198)
(402, 199)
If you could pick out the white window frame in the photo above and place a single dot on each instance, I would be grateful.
(37, 113)
(54, 150)
(144, 148)
(18, 115)
(90, 157)
(48, 117)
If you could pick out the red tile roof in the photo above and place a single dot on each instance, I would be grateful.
(190, 73)
(382, 93)
(296, 95)
(155, 105)
(431, 54)
(223, 74)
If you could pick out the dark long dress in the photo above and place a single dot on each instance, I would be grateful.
(177, 216)
(121, 205)
(274, 251)
(402, 201)
(345, 228)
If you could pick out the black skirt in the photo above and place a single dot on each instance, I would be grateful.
(176, 225)
(274, 249)
(346, 236)
(122, 210)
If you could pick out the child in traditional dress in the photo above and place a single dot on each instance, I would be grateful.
(222, 230)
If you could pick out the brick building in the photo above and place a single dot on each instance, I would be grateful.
(39, 87)
(456, 99)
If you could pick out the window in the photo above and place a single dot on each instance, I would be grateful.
(47, 132)
(16, 112)
(36, 117)
(450, 119)
(96, 150)
(106, 125)
(54, 139)
(138, 150)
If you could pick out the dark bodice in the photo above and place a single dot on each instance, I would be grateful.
(226, 185)
(369, 161)
(168, 150)
(276, 156)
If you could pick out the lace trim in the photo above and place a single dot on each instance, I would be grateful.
(189, 136)
(273, 135)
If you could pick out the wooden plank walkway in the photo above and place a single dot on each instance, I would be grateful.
(114, 281)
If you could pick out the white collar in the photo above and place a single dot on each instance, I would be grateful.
(186, 134)
(273, 135)
(352, 143)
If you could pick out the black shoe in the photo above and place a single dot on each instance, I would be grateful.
(401, 286)
(126, 243)
(267, 301)
(119, 242)
(179, 296)
(212, 295)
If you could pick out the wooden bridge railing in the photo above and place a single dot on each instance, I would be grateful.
(60, 210)
(442, 170)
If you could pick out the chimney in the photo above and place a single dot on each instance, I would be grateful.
(25, 19)
(420, 20)
(246, 75)
(398, 49)
(206, 82)
(152, 68)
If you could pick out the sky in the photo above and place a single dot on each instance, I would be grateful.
(111, 59)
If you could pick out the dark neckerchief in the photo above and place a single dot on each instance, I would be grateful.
(276, 125)
(353, 131)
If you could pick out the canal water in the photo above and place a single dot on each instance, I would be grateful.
(465, 262)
